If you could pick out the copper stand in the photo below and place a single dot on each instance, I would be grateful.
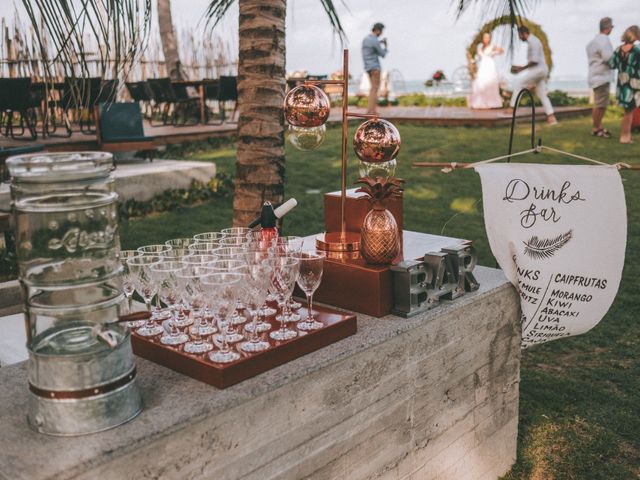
(342, 241)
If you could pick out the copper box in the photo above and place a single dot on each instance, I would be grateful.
(356, 209)
(354, 285)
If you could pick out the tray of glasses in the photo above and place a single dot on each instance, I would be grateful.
(336, 326)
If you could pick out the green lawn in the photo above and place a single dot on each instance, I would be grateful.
(580, 397)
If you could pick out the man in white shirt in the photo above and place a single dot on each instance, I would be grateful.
(599, 51)
(534, 73)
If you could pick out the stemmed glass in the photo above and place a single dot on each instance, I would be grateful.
(235, 231)
(198, 260)
(177, 253)
(208, 237)
(311, 264)
(127, 284)
(256, 284)
(202, 248)
(232, 266)
(179, 242)
(165, 274)
(285, 275)
(222, 291)
(256, 255)
(154, 249)
(240, 242)
(257, 241)
(139, 267)
(290, 245)
(230, 253)
(191, 290)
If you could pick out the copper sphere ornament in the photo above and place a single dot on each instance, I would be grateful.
(376, 141)
(306, 106)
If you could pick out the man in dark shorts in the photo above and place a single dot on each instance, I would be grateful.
(599, 50)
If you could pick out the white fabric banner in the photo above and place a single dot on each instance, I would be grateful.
(559, 232)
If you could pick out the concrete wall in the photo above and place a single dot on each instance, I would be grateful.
(432, 397)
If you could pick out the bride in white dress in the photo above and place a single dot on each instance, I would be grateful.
(485, 89)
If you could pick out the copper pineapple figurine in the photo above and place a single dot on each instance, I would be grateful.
(380, 242)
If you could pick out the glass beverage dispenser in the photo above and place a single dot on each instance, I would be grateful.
(81, 369)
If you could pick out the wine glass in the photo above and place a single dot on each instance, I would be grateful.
(257, 254)
(165, 274)
(231, 266)
(177, 253)
(208, 237)
(197, 260)
(230, 253)
(290, 245)
(256, 284)
(154, 249)
(311, 264)
(192, 292)
(285, 275)
(256, 240)
(179, 242)
(127, 284)
(202, 248)
(236, 231)
(241, 242)
(139, 267)
(222, 291)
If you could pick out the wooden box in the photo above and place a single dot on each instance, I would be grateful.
(356, 209)
(354, 285)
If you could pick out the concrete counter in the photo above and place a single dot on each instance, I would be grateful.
(434, 396)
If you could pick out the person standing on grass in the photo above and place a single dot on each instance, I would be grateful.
(372, 49)
(626, 59)
(533, 73)
(599, 51)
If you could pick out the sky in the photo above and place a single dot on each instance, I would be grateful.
(423, 35)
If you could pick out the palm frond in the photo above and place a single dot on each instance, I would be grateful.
(543, 248)
(63, 28)
(217, 9)
(498, 8)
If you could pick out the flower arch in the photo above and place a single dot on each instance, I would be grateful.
(490, 26)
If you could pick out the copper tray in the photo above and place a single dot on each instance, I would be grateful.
(337, 325)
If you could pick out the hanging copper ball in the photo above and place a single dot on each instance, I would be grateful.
(306, 106)
(376, 141)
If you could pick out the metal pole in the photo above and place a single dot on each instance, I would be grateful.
(345, 126)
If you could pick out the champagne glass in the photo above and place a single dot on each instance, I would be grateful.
(179, 242)
(285, 275)
(222, 291)
(240, 242)
(198, 260)
(203, 248)
(192, 291)
(127, 284)
(257, 284)
(230, 253)
(311, 264)
(165, 274)
(256, 240)
(139, 267)
(231, 266)
(257, 254)
(290, 245)
(177, 253)
(236, 231)
(154, 249)
(208, 237)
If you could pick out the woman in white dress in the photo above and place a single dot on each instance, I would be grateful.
(485, 89)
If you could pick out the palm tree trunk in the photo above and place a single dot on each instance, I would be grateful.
(260, 162)
(169, 40)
